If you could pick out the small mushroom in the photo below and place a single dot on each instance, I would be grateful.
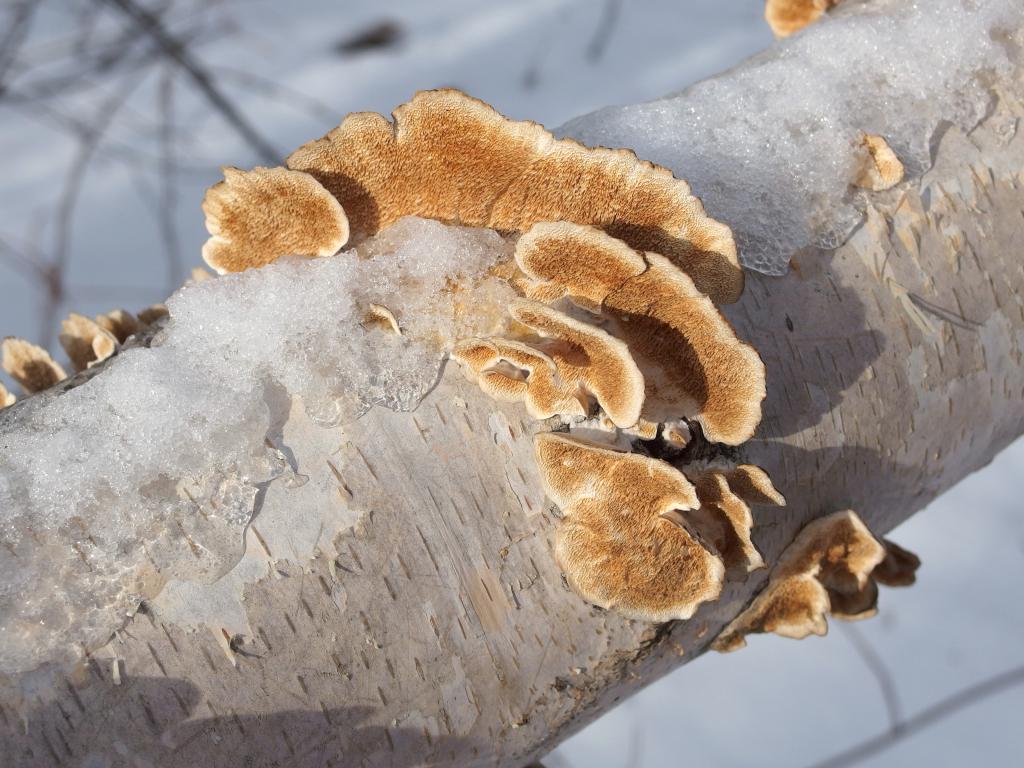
(120, 323)
(85, 341)
(788, 16)
(516, 372)
(200, 275)
(621, 542)
(725, 518)
(827, 569)
(254, 217)
(30, 366)
(693, 364)
(377, 315)
(453, 158)
(153, 314)
(899, 568)
(881, 169)
(587, 362)
(752, 484)
(6, 398)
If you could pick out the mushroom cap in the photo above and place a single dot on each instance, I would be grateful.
(752, 484)
(255, 217)
(827, 568)
(788, 16)
(6, 398)
(693, 364)
(899, 568)
(618, 542)
(153, 314)
(728, 520)
(85, 341)
(29, 365)
(454, 158)
(380, 316)
(516, 372)
(120, 323)
(881, 167)
(589, 358)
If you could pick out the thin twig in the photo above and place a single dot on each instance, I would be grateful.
(603, 33)
(942, 709)
(879, 671)
(168, 173)
(88, 143)
(178, 53)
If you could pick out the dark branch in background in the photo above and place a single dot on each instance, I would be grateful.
(17, 31)
(383, 34)
(167, 206)
(272, 89)
(87, 146)
(879, 671)
(175, 50)
(603, 33)
(942, 709)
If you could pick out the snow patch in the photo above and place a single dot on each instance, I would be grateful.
(152, 469)
(772, 146)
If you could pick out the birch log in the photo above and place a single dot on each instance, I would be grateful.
(402, 607)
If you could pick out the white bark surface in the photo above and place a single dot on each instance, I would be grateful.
(402, 607)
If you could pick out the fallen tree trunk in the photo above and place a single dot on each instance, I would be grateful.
(402, 606)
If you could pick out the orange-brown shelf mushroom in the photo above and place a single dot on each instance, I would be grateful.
(830, 567)
(379, 316)
(788, 16)
(153, 314)
(620, 542)
(693, 363)
(85, 341)
(881, 169)
(587, 362)
(724, 514)
(899, 568)
(30, 366)
(6, 398)
(257, 216)
(453, 158)
(120, 323)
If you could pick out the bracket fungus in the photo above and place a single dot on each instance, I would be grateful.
(559, 372)
(620, 542)
(724, 513)
(453, 158)
(639, 536)
(119, 323)
(880, 168)
(693, 364)
(30, 366)
(899, 568)
(832, 566)
(85, 341)
(788, 16)
(379, 316)
(6, 398)
(254, 217)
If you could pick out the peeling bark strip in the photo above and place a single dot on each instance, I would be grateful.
(433, 626)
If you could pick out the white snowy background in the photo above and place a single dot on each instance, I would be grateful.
(127, 227)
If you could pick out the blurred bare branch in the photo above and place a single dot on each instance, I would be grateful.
(150, 24)
(879, 671)
(603, 33)
(928, 717)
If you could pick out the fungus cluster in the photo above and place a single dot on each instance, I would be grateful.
(86, 343)
(618, 272)
(833, 567)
